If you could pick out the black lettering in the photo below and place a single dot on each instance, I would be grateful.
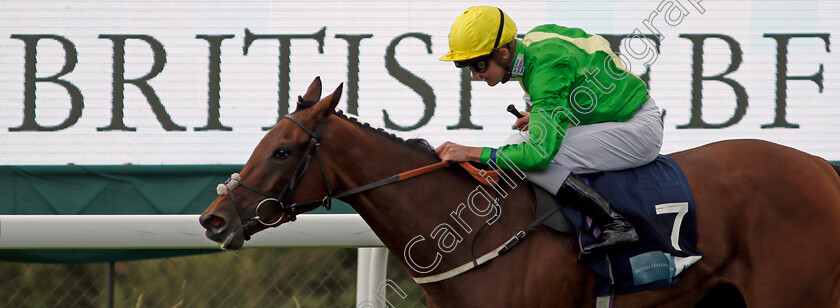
(285, 60)
(141, 83)
(30, 82)
(782, 77)
(697, 79)
(466, 96)
(353, 42)
(214, 71)
(407, 78)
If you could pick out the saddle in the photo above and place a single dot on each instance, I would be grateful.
(657, 200)
(545, 200)
(557, 221)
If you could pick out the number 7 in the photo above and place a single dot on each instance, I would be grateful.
(681, 208)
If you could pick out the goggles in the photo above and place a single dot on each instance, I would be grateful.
(478, 65)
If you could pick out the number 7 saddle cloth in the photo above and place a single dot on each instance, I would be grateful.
(657, 201)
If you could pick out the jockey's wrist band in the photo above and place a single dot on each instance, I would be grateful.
(492, 156)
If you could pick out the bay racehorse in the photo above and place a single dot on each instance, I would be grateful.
(768, 218)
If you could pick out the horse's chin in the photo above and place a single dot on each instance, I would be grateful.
(234, 240)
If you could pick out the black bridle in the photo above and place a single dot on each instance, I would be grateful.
(286, 208)
(292, 209)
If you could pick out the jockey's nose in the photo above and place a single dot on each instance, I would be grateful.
(475, 75)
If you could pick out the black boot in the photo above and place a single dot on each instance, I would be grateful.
(615, 229)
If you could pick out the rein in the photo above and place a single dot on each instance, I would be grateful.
(486, 177)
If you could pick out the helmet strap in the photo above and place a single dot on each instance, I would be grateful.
(506, 78)
(498, 60)
(501, 28)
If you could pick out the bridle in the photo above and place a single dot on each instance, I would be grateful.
(292, 209)
(286, 208)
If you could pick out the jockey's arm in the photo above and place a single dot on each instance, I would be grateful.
(548, 87)
(543, 143)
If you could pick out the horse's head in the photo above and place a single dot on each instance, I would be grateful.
(264, 194)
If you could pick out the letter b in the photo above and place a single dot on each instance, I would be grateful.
(30, 82)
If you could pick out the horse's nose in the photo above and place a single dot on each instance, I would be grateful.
(213, 223)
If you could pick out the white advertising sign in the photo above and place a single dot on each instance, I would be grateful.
(197, 82)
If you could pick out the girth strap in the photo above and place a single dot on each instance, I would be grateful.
(504, 248)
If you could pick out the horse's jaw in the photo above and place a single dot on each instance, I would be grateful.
(231, 240)
(234, 240)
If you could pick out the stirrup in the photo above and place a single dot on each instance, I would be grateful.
(629, 237)
(584, 254)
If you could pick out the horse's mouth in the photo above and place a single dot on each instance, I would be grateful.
(233, 241)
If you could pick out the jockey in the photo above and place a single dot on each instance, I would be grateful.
(588, 112)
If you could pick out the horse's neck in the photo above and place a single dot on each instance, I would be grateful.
(435, 211)
(398, 210)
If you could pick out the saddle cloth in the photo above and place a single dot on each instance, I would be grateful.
(657, 200)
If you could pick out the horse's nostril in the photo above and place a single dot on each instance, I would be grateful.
(216, 221)
(213, 221)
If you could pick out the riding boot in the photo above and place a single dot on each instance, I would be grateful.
(615, 229)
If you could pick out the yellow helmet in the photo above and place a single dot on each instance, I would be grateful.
(477, 32)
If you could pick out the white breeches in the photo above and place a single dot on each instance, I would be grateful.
(599, 147)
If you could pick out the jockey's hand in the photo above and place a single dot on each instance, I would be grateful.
(455, 152)
(522, 123)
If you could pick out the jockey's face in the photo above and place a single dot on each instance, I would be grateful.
(492, 76)
(495, 72)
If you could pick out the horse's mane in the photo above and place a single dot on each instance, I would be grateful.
(417, 144)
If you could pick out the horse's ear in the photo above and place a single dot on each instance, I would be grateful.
(336, 96)
(313, 93)
(326, 106)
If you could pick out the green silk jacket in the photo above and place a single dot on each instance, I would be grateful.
(572, 78)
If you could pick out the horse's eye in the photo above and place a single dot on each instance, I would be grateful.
(281, 154)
